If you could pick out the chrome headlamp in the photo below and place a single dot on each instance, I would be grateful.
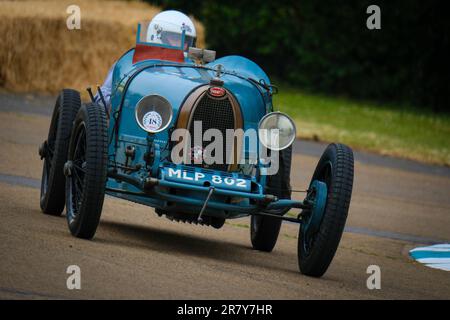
(153, 113)
(276, 131)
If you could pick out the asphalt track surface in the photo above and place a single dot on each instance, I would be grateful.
(396, 205)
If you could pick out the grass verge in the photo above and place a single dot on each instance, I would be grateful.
(387, 130)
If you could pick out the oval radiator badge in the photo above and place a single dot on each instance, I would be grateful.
(217, 91)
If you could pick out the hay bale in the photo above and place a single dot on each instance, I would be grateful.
(38, 53)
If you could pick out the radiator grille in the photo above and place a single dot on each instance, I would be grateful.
(213, 114)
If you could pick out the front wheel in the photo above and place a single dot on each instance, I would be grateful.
(86, 171)
(322, 228)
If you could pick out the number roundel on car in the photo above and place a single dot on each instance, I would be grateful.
(152, 121)
(153, 113)
(217, 91)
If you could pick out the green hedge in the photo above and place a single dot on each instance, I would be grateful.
(324, 46)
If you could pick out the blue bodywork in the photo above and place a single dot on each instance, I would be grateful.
(175, 81)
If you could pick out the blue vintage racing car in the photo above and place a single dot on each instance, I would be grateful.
(161, 100)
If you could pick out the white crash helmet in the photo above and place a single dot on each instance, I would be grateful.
(167, 28)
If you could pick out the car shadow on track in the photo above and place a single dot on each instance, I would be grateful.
(150, 238)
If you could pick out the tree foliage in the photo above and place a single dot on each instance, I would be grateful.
(325, 46)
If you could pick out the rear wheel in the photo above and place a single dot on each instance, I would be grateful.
(319, 237)
(54, 152)
(86, 171)
(264, 231)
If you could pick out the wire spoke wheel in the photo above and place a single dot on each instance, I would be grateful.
(86, 170)
(47, 166)
(54, 152)
(76, 179)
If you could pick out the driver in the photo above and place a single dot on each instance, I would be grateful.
(165, 28)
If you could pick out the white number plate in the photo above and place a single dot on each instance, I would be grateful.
(202, 179)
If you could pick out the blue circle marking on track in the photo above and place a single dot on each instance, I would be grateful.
(436, 256)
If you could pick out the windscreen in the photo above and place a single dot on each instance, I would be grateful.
(152, 36)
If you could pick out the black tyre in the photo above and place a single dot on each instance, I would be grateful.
(86, 171)
(316, 250)
(54, 152)
(264, 231)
